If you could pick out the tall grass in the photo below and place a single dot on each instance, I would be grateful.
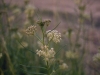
(30, 45)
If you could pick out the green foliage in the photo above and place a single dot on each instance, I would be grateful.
(27, 47)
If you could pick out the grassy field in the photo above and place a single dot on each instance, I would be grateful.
(36, 41)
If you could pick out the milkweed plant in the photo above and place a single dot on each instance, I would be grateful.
(45, 50)
(47, 58)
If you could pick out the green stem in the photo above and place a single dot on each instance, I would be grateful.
(5, 51)
(5, 8)
(38, 38)
(54, 27)
(48, 71)
(43, 34)
(77, 36)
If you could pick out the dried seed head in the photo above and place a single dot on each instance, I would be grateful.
(47, 22)
(43, 23)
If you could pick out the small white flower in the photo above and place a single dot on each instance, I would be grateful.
(54, 35)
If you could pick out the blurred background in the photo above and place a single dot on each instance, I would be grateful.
(78, 18)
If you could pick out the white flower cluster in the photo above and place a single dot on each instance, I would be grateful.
(29, 11)
(46, 53)
(54, 35)
(96, 57)
(30, 30)
(63, 66)
(71, 55)
(17, 11)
